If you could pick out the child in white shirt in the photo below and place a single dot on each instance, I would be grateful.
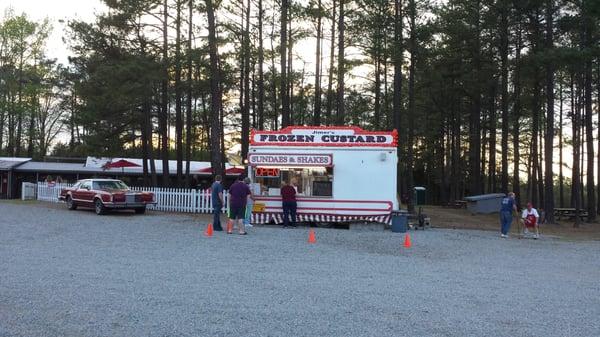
(530, 219)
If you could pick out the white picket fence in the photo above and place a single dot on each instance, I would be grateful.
(50, 191)
(167, 199)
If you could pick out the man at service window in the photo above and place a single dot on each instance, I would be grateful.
(310, 181)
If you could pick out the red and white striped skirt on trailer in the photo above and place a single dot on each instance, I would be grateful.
(262, 218)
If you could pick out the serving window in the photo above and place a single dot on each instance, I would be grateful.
(309, 181)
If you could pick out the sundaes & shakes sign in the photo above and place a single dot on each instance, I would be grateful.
(283, 159)
(324, 136)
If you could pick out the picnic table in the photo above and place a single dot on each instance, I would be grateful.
(458, 204)
(570, 213)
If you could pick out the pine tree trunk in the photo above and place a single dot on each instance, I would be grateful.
(377, 113)
(492, 141)
(216, 98)
(261, 75)
(341, 113)
(188, 122)
(516, 115)
(590, 184)
(17, 149)
(274, 102)
(145, 141)
(178, 99)
(285, 103)
(598, 154)
(246, 110)
(386, 97)
(561, 178)
(290, 71)
(397, 100)
(576, 178)
(535, 38)
(475, 114)
(504, 94)
(572, 114)
(317, 101)
(164, 113)
(535, 141)
(484, 142)
(146, 130)
(328, 116)
(242, 59)
(541, 183)
(549, 142)
(411, 104)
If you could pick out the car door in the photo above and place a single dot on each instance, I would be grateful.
(86, 193)
(76, 192)
(72, 190)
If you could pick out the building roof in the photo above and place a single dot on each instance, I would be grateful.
(485, 196)
(196, 167)
(7, 163)
(38, 166)
(95, 165)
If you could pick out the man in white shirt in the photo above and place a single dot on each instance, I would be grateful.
(530, 219)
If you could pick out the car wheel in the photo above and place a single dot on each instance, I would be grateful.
(71, 204)
(99, 207)
(140, 210)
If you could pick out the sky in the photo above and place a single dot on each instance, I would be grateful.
(56, 11)
(59, 12)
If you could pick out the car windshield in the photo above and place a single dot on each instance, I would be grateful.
(110, 185)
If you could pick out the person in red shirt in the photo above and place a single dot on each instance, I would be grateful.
(530, 219)
(288, 203)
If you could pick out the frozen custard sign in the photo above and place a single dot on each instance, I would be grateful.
(282, 159)
(324, 136)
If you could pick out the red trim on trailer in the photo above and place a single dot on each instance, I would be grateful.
(328, 200)
(333, 209)
(327, 214)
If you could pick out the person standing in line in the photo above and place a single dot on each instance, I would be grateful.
(506, 214)
(238, 196)
(218, 202)
(288, 203)
(249, 205)
(530, 219)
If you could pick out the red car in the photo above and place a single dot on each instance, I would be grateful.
(104, 195)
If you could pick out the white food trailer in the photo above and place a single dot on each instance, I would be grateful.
(343, 173)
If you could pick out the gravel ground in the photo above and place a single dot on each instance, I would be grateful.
(68, 273)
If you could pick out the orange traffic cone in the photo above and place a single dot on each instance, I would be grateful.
(209, 230)
(229, 227)
(311, 236)
(407, 243)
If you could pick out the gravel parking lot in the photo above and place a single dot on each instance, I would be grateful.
(72, 273)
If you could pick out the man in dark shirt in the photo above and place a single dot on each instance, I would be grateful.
(238, 195)
(506, 213)
(217, 201)
(288, 203)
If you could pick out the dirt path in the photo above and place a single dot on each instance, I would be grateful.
(461, 218)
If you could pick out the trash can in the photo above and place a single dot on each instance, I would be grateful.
(420, 196)
(399, 221)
